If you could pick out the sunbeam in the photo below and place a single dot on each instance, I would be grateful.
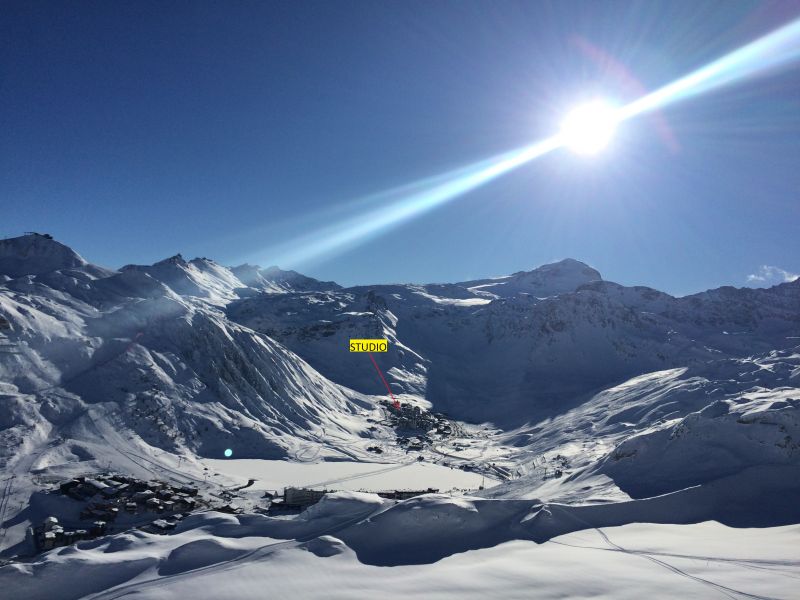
(775, 49)
(357, 230)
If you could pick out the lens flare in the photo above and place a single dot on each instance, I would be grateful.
(587, 130)
(774, 50)
(357, 230)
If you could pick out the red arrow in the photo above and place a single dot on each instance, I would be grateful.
(388, 389)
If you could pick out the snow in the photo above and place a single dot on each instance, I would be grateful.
(216, 556)
(276, 280)
(615, 428)
(535, 348)
(35, 254)
(347, 475)
(548, 280)
(451, 301)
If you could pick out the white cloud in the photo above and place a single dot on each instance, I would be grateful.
(770, 275)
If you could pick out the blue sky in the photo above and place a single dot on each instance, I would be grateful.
(238, 130)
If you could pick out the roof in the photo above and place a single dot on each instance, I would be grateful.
(98, 485)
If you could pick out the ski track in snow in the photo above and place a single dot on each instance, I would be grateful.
(727, 591)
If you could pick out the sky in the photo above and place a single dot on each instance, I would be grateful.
(246, 131)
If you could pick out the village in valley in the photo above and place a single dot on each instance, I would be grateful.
(93, 505)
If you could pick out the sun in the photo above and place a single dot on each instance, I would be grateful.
(589, 128)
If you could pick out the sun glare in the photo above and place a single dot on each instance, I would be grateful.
(589, 128)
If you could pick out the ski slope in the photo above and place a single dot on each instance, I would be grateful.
(224, 556)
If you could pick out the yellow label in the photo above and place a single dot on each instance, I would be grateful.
(369, 345)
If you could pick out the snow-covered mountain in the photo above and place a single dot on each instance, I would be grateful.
(543, 339)
(510, 350)
(275, 279)
(650, 408)
(548, 280)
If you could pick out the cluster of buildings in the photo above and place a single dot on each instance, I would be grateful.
(51, 534)
(414, 443)
(302, 498)
(412, 417)
(106, 497)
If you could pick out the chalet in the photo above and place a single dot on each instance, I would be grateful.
(80, 491)
(137, 485)
(231, 509)
(144, 496)
(59, 533)
(48, 540)
(131, 507)
(67, 486)
(113, 491)
(98, 528)
(154, 504)
(97, 486)
(301, 497)
(406, 494)
(161, 525)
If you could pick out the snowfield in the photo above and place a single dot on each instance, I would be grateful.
(345, 475)
(630, 445)
(221, 556)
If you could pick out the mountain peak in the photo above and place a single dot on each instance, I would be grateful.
(174, 260)
(36, 254)
(569, 266)
(281, 280)
(548, 280)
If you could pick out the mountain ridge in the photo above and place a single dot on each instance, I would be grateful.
(154, 369)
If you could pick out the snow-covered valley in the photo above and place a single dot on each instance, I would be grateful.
(573, 428)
